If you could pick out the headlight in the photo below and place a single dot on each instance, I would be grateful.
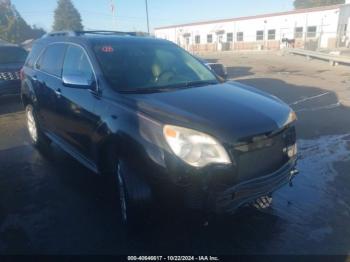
(291, 118)
(195, 148)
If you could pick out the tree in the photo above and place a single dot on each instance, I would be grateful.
(67, 17)
(299, 4)
(37, 32)
(13, 28)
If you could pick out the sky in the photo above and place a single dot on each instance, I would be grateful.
(131, 14)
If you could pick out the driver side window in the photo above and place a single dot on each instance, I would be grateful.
(77, 64)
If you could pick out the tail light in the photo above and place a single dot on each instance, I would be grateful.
(21, 74)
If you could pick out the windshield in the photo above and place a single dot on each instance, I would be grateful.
(11, 54)
(150, 66)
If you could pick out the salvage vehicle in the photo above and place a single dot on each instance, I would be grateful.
(12, 58)
(148, 115)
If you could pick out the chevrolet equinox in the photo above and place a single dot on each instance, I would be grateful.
(155, 120)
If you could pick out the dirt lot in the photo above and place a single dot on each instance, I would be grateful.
(53, 205)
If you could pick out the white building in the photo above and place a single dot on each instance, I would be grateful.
(313, 28)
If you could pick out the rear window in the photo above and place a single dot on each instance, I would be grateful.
(33, 55)
(10, 54)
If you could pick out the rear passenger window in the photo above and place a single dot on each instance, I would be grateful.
(33, 55)
(76, 63)
(52, 59)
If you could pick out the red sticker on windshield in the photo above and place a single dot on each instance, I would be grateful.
(107, 49)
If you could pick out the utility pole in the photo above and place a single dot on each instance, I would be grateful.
(147, 16)
(113, 15)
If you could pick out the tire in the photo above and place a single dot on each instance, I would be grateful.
(133, 212)
(37, 137)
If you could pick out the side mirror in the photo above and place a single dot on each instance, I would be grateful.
(219, 70)
(77, 81)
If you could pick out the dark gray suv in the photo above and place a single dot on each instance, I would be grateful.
(12, 58)
(157, 123)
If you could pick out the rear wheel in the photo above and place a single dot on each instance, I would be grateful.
(37, 138)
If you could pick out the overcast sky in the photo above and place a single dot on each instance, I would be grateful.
(130, 14)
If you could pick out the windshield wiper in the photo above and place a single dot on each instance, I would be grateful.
(147, 90)
(168, 88)
(201, 83)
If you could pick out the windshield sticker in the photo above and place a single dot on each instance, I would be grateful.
(107, 49)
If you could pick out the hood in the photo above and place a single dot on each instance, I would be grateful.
(230, 111)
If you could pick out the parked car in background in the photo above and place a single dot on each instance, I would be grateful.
(146, 114)
(218, 68)
(12, 59)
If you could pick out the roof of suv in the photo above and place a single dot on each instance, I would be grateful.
(96, 36)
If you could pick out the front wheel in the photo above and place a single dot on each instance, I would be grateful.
(123, 198)
(131, 197)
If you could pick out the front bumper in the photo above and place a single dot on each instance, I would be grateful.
(228, 200)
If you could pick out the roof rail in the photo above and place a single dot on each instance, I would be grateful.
(61, 33)
(100, 32)
(106, 32)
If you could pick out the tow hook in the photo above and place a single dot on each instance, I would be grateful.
(293, 174)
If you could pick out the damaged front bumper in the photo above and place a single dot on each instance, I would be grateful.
(228, 200)
(248, 191)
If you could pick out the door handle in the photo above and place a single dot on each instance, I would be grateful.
(58, 92)
(35, 78)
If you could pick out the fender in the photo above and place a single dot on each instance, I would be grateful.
(129, 131)
(110, 137)
(133, 137)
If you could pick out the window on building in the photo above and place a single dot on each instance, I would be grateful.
(299, 32)
(311, 31)
(240, 36)
(187, 40)
(197, 39)
(259, 35)
(343, 29)
(209, 39)
(229, 37)
(271, 34)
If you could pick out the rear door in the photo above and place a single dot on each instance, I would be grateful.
(76, 105)
(47, 84)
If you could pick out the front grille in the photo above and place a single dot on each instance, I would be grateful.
(264, 155)
(9, 76)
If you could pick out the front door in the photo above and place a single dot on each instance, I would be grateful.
(76, 104)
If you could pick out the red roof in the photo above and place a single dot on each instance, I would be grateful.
(297, 11)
